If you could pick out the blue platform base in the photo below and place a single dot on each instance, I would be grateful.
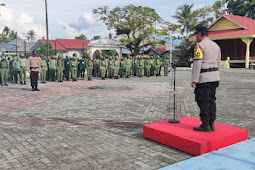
(234, 157)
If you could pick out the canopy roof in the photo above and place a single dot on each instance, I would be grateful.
(105, 42)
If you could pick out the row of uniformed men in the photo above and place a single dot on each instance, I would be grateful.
(57, 68)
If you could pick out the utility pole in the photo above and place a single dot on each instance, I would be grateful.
(16, 44)
(47, 28)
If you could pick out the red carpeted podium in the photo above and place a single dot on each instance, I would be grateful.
(182, 136)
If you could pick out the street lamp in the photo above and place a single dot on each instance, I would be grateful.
(1, 4)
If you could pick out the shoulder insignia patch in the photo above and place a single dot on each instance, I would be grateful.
(198, 54)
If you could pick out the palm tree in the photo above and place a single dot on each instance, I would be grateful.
(13, 35)
(218, 8)
(31, 35)
(186, 18)
(6, 30)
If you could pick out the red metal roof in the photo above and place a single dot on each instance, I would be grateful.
(248, 25)
(74, 43)
(55, 44)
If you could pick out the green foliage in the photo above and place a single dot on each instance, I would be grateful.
(109, 53)
(7, 35)
(128, 22)
(43, 50)
(244, 8)
(81, 37)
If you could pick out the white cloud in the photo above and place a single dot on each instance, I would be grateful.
(87, 24)
(22, 23)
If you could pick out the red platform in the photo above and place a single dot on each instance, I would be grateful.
(182, 136)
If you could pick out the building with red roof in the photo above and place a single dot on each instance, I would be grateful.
(234, 34)
(67, 47)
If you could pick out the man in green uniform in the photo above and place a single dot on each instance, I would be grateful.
(60, 68)
(135, 64)
(116, 67)
(166, 65)
(147, 67)
(82, 67)
(4, 65)
(89, 65)
(16, 69)
(103, 68)
(157, 65)
(96, 67)
(106, 66)
(44, 69)
(23, 68)
(48, 71)
(74, 67)
(140, 67)
(152, 66)
(110, 67)
(52, 67)
(11, 75)
(122, 66)
(67, 64)
(127, 66)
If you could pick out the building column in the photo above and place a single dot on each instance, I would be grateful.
(248, 42)
(120, 52)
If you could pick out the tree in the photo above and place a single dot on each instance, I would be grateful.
(13, 35)
(81, 37)
(244, 8)
(31, 35)
(186, 18)
(6, 30)
(218, 8)
(43, 50)
(131, 23)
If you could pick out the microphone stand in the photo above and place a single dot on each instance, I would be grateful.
(174, 120)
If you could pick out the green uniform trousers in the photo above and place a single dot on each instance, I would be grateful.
(60, 74)
(74, 73)
(102, 70)
(4, 76)
(89, 72)
(22, 74)
(43, 75)
(52, 74)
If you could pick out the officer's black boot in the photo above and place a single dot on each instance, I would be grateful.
(203, 128)
(212, 126)
(33, 88)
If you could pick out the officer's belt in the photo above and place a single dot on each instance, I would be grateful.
(34, 67)
(209, 70)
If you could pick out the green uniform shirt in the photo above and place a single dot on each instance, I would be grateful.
(43, 64)
(52, 64)
(23, 62)
(16, 64)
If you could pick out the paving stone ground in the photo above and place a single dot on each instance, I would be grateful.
(98, 125)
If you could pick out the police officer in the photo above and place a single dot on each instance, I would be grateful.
(205, 78)
(166, 64)
(157, 65)
(34, 68)
(110, 67)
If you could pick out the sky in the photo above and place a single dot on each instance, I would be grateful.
(70, 18)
